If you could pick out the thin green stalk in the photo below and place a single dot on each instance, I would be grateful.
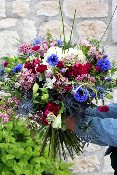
(108, 25)
(72, 30)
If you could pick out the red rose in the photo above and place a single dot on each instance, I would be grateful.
(41, 68)
(36, 48)
(6, 63)
(103, 108)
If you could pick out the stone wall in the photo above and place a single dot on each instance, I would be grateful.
(29, 19)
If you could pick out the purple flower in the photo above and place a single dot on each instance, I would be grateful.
(81, 94)
(110, 79)
(104, 64)
(60, 42)
(62, 71)
(36, 41)
(52, 59)
(17, 68)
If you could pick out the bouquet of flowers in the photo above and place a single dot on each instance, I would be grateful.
(52, 79)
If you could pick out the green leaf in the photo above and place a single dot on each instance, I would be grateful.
(67, 172)
(19, 153)
(37, 166)
(35, 88)
(37, 160)
(70, 164)
(58, 172)
(18, 94)
(3, 145)
(44, 91)
(16, 168)
(4, 158)
(24, 161)
(27, 172)
(1, 166)
(10, 156)
(63, 166)
(37, 172)
(9, 162)
(109, 96)
(42, 159)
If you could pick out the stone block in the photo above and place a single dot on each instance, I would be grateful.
(92, 147)
(55, 28)
(85, 8)
(2, 8)
(29, 30)
(8, 43)
(84, 164)
(7, 22)
(47, 8)
(21, 7)
(92, 29)
(111, 51)
(114, 22)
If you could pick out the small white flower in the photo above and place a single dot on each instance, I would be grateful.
(17, 85)
(78, 52)
(49, 83)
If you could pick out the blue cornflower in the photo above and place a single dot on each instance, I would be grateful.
(105, 56)
(104, 64)
(17, 68)
(104, 79)
(34, 44)
(60, 42)
(81, 94)
(36, 41)
(62, 71)
(52, 59)
(110, 79)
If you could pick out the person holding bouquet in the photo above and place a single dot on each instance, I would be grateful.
(105, 124)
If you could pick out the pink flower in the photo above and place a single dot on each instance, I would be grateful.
(97, 68)
(103, 108)
(48, 75)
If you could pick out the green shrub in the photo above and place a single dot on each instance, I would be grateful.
(19, 154)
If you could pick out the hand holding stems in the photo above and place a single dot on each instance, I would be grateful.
(70, 124)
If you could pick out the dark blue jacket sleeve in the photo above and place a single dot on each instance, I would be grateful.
(105, 124)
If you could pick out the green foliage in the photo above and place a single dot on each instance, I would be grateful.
(19, 154)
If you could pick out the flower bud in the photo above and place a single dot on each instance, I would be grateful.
(45, 97)
(8, 70)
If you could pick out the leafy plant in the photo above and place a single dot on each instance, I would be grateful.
(19, 153)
